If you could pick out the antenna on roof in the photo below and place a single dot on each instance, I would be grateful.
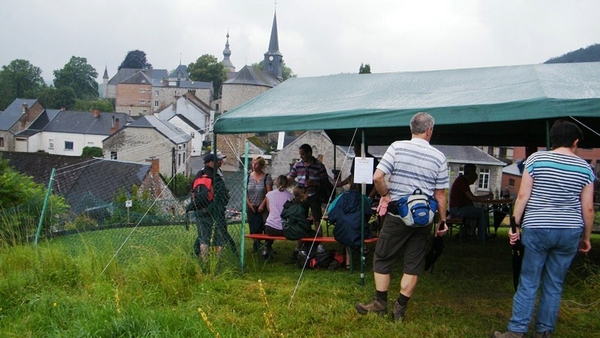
(180, 59)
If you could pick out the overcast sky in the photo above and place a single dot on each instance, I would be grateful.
(316, 37)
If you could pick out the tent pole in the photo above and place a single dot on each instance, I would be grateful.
(363, 191)
(547, 135)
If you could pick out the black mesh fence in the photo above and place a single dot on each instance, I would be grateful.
(131, 226)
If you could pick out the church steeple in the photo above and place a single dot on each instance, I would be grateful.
(273, 61)
(226, 54)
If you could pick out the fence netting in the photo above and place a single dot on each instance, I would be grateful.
(134, 224)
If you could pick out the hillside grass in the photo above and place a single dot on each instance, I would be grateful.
(74, 286)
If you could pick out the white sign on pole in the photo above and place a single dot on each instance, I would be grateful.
(128, 204)
(363, 170)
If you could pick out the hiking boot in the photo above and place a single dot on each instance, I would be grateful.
(377, 306)
(507, 334)
(546, 334)
(398, 312)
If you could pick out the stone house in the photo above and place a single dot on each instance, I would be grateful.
(323, 149)
(150, 137)
(134, 95)
(17, 117)
(192, 116)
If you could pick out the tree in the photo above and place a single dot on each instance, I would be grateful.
(588, 54)
(286, 72)
(53, 98)
(19, 79)
(105, 105)
(91, 152)
(80, 76)
(135, 59)
(364, 69)
(21, 201)
(207, 68)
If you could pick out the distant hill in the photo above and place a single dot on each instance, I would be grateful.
(587, 54)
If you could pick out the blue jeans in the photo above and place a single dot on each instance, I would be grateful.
(548, 254)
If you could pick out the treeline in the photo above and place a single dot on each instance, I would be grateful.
(587, 54)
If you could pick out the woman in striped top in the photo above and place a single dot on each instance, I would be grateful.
(556, 212)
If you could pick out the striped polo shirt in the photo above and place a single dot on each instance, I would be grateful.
(555, 200)
(414, 164)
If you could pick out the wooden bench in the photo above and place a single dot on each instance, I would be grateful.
(264, 237)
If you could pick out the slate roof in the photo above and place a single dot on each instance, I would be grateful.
(179, 73)
(13, 112)
(40, 123)
(187, 84)
(165, 128)
(124, 73)
(454, 154)
(137, 78)
(83, 182)
(254, 76)
(77, 122)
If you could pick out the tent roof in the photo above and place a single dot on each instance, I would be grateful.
(504, 106)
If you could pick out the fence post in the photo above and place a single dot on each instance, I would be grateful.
(41, 222)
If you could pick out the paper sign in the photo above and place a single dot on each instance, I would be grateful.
(363, 170)
(128, 204)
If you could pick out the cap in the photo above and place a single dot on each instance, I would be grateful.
(210, 157)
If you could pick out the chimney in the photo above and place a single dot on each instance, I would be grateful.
(25, 118)
(154, 168)
(115, 125)
(96, 112)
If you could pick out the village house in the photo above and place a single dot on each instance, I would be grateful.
(150, 137)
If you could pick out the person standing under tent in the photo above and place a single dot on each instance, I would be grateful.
(259, 184)
(411, 165)
(555, 211)
(309, 172)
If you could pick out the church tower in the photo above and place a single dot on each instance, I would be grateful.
(105, 82)
(273, 61)
(226, 54)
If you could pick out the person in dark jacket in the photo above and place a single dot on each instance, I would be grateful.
(345, 213)
(211, 222)
(293, 218)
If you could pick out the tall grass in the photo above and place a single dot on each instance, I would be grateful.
(157, 289)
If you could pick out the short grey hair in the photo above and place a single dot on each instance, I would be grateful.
(421, 122)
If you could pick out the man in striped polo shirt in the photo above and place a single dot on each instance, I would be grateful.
(411, 165)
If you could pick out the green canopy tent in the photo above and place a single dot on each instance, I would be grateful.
(497, 106)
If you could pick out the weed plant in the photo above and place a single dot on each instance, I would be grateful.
(74, 287)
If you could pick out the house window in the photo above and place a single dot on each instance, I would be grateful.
(51, 144)
(144, 111)
(511, 182)
(156, 103)
(113, 155)
(68, 145)
(91, 144)
(1, 142)
(156, 92)
(142, 101)
(178, 160)
(484, 179)
(192, 134)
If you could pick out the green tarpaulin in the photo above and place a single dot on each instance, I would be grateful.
(502, 106)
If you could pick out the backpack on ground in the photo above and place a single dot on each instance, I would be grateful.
(330, 260)
(202, 193)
